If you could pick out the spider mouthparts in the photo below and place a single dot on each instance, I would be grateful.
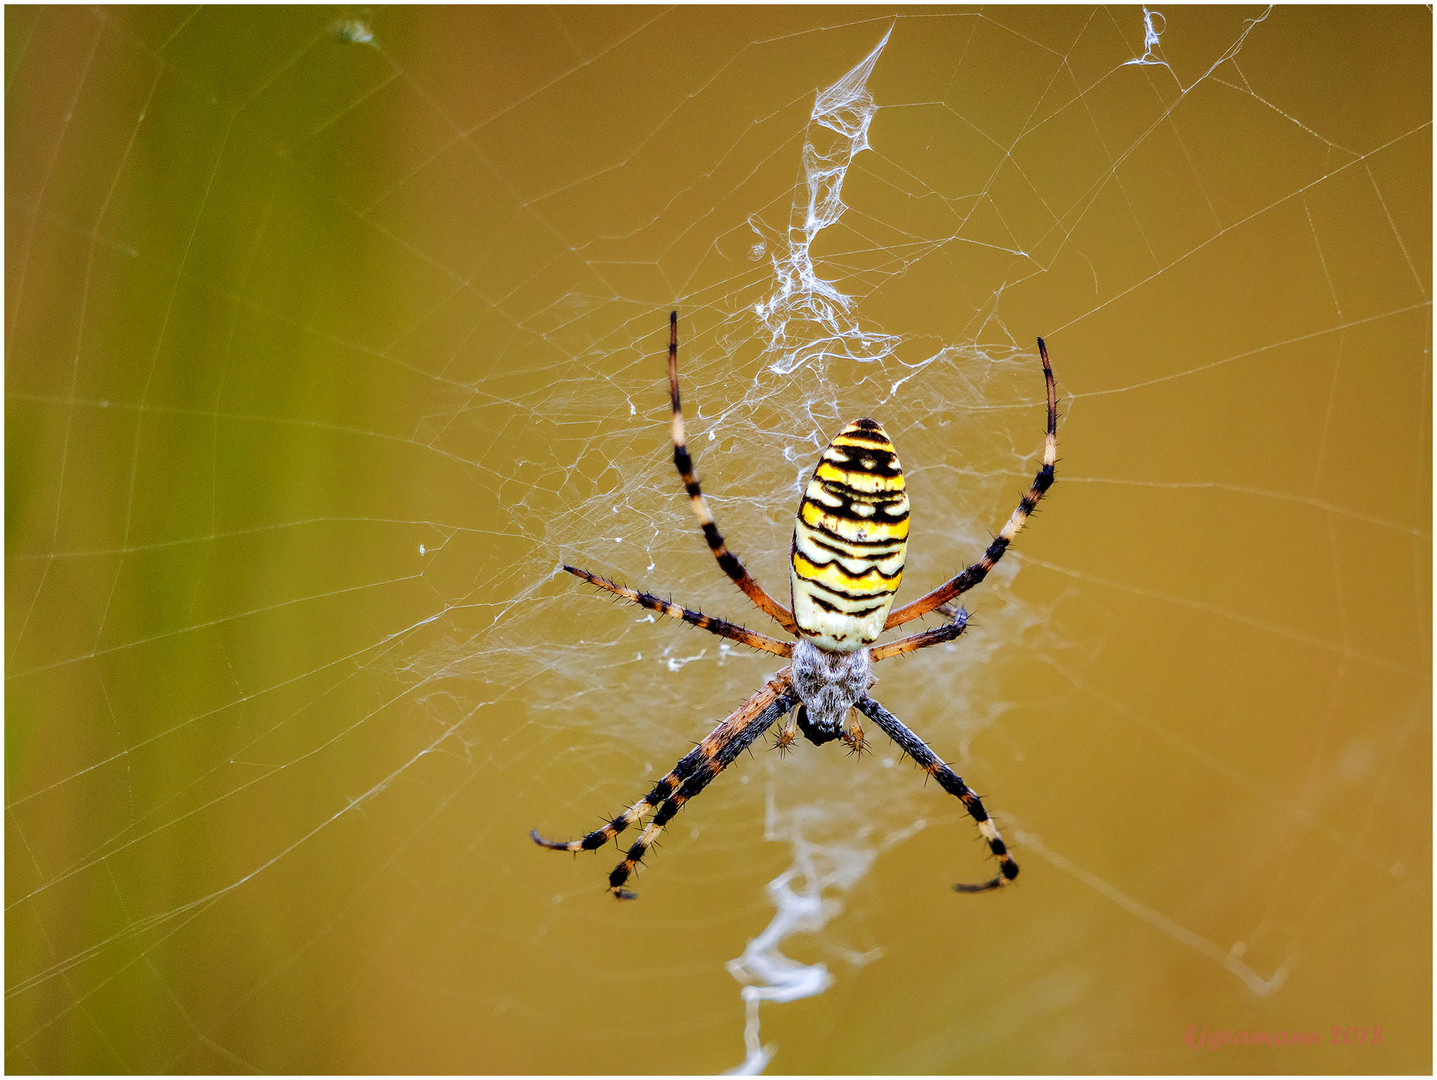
(623, 894)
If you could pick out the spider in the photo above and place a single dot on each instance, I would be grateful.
(846, 560)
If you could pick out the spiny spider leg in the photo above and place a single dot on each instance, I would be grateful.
(721, 627)
(939, 634)
(952, 783)
(726, 559)
(714, 753)
(979, 570)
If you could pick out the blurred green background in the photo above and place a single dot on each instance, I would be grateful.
(331, 333)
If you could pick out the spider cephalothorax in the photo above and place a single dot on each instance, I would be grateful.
(828, 685)
(846, 561)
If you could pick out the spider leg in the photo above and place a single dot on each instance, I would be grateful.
(715, 752)
(727, 560)
(939, 634)
(952, 783)
(722, 628)
(979, 570)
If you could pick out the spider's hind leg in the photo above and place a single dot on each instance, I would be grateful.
(714, 753)
(952, 783)
(601, 836)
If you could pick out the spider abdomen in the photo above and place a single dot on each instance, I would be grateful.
(849, 540)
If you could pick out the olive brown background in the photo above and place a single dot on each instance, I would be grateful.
(331, 334)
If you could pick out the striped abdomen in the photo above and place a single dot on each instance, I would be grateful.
(849, 540)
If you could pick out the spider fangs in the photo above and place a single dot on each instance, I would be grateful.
(846, 561)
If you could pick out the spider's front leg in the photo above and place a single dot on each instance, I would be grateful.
(975, 574)
(683, 460)
(714, 753)
(952, 783)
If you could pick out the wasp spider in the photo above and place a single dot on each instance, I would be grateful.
(846, 561)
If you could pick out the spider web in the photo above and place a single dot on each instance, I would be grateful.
(331, 335)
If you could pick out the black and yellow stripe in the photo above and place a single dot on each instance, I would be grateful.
(849, 540)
